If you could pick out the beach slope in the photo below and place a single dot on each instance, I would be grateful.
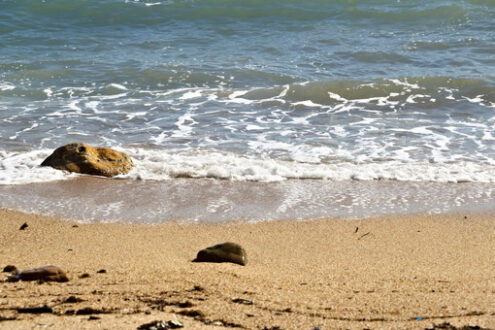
(401, 272)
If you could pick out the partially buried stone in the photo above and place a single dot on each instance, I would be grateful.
(85, 159)
(225, 252)
(154, 325)
(9, 269)
(46, 273)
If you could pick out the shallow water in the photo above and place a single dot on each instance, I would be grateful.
(252, 91)
(213, 200)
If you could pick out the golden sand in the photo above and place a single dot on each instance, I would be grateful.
(388, 273)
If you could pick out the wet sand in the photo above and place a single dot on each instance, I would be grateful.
(395, 272)
(207, 200)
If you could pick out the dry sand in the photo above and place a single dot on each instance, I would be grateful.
(402, 272)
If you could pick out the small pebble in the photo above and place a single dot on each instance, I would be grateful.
(174, 324)
(9, 269)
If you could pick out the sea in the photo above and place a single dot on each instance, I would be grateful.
(250, 110)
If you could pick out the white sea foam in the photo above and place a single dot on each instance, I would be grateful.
(405, 83)
(337, 97)
(23, 167)
(149, 4)
(118, 86)
(190, 95)
(48, 92)
(477, 99)
(269, 134)
(6, 86)
(19, 168)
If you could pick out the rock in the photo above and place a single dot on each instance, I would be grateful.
(86, 159)
(197, 315)
(153, 325)
(198, 288)
(35, 310)
(90, 310)
(9, 269)
(225, 252)
(24, 226)
(46, 273)
(72, 300)
(242, 301)
(174, 324)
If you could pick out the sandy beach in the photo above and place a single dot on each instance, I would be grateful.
(408, 272)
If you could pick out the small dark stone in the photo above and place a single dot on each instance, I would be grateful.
(225, 252)
(43, 274)
(155, 325)
(242, 301)
(174, 324)
(198, 288)
(90, 310)
(92, 317)
(24, 226)
(75, 226)
(35, 310)
(101, 271)
(73, 299)
(197, 315)
(85, 275)
(10, 269)
(185, 304)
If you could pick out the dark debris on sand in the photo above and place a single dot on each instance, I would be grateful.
(158, 325)
(447, 325)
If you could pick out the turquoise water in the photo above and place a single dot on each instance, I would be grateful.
(252, 90)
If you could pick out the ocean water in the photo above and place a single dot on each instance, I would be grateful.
(243, 96)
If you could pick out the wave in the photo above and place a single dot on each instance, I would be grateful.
(162, 164)
(175, 82)
(410, 129)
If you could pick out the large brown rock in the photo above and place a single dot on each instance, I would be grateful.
(46, 273)
(86, 159)
(225, 252)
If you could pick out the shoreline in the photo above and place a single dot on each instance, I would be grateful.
(88, 199)
(389, 272)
